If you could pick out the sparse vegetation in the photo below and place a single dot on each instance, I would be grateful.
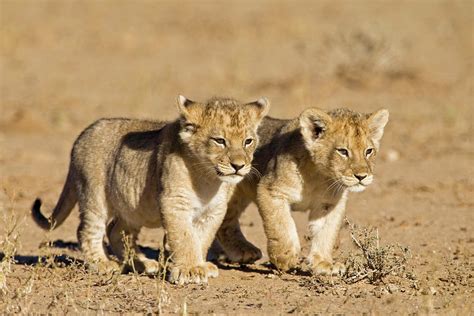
(9, 242)
(373, 261)
(386, 267)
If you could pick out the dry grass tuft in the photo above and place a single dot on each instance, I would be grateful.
(384, 268)
(130, 254)
(373, 261)
(9, 243)
(162, 296)
(14, 297)
(71, 287)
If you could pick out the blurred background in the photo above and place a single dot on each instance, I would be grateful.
(64, 64)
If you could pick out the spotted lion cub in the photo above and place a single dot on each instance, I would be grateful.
(179, 175)
(309, 163)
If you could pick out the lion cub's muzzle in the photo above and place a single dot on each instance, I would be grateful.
(358, 182)
(232, 172)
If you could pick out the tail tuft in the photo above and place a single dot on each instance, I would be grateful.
(37, 205)
(38, 217)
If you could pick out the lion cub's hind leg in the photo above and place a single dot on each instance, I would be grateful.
(236, 247)
(122, 238)
(91, 233)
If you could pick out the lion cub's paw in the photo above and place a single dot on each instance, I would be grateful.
(198, 274)
(104, 266)
(338, 269)
(147, 266)
(151, 266)
(321, 266)
(284, 259)
(212, 270)
(245, 253)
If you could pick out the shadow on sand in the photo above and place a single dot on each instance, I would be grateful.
(264, 268)
(66, 260)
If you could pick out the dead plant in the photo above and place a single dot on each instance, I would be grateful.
(373, 261)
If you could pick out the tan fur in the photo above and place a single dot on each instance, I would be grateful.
(179, 175)
(303, 167)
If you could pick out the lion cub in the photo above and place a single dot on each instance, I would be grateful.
(179, 175)
(309, 163)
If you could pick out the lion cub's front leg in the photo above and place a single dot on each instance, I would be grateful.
(180, 207)
(185, 246)
(280, 229)
(236, 247)
(324, 224)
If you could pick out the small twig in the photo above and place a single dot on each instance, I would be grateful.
(358, 243)
(357, 278)
(377, 236)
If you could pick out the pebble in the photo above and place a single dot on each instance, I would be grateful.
(392, 288)
(429, 290)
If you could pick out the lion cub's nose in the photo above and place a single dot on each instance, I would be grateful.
(236, 167)
(360, 176)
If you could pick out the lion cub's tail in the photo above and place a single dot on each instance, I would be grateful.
(63, 208)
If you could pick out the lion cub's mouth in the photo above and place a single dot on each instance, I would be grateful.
(358, 187)
(229, 177)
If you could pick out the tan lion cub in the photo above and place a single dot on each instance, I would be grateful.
(309, 163)
(179, 175)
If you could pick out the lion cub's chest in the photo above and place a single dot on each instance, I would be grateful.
(209, 200)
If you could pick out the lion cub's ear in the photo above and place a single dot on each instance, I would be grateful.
(313, 123)
(190, 112)
(262, 106)
(377, 122)
(188, 109)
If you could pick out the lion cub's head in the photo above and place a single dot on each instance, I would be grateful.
(222, 134)
(344, 144)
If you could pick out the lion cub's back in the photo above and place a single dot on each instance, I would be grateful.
(98, 144)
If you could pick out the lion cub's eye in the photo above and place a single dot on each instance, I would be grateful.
(369, 151)
(219, 141)
(248, 141)
(343, 152)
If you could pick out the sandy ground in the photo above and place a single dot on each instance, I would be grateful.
(65, 64)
